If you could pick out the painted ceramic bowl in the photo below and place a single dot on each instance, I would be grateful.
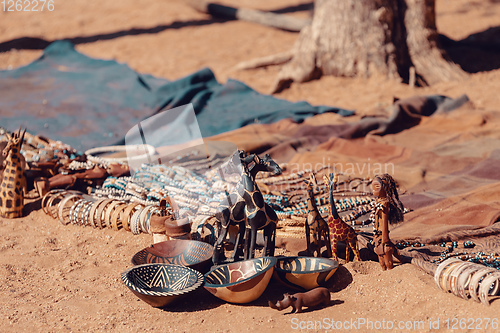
(241, 281)
(189, 253)
(160, 284)
(304, 273)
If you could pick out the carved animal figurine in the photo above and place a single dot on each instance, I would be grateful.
(339, 230)
(314, 297)
(315, 223)
(246, 208)
(14, 182)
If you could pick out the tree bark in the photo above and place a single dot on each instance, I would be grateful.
(430, 61)
(363, 37)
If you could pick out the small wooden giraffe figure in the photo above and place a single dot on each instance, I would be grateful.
(315, 223)
(13, 183)
(339, 230)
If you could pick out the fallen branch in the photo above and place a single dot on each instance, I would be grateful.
(272, 60)
(279, 21)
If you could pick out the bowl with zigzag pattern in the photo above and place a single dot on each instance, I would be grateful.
(190, 253)
(241, 281)
(304, 273)
(160, 284)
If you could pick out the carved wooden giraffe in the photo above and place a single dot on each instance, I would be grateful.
(339, 230)
(315, 223)
(13, 184)
(246, 208)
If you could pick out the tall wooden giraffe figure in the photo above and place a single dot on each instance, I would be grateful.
(339, 230)
(315, 223)
(14, 182)
(246, 208)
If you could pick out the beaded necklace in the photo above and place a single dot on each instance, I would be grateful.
(151, 183)
(490, 260)
(479, 257)
(198, 193)
(37, 149)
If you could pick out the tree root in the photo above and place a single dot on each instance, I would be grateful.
(272, 60)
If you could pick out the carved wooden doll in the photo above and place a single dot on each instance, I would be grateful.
(387, 210)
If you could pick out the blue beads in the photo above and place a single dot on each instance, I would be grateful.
(469, 244)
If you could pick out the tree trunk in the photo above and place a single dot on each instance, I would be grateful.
(363, 37)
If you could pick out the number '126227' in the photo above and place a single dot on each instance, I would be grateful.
(27, 5)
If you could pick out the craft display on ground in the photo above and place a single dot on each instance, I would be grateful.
(223, 200)
(207, 204)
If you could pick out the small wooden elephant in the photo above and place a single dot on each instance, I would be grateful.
(314, 297)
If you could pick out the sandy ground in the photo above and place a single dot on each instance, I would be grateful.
(56, 278)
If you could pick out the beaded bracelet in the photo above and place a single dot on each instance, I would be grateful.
(474, 282)
(78, 210)
(78, 218)
(74, 210)
(451, 282)
(127, 215)
(85, 212)
(51, 209)
(456, 274)
(47, 196)
(134, 221)
(144, 220)
(63, 209)
(148, 221)
(443, 281)
(109, 211)
(115, 217)
(47, 203)
(464, 280)
(146, 225)
(95, 205)
(441, 267)
(485, 288)
(496, 286)
(52, 203)
(99, 217)
(60, 206)
(142, 217)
